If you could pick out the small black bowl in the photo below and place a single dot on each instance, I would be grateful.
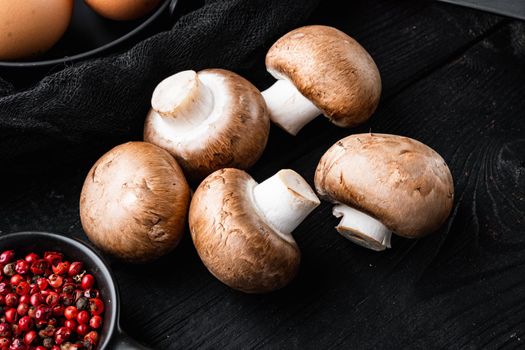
(91, 35)
(111, 335)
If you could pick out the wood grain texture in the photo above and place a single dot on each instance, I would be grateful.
(453, 79)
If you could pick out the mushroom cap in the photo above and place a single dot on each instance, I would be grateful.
(399, 181)
(233, 240)
(329, 68)
(234, 136)
(134, 202)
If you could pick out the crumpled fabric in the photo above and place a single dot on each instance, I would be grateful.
(106, 99)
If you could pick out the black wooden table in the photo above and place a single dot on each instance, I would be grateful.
(454, 79)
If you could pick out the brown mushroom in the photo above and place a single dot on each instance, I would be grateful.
(242, 230)
(320, 70)
(208, 120)
(382, 184)
(134, 202)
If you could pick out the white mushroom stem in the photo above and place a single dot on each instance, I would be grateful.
(288, 108)
(361, 228)
(183, 100)
(285, 200)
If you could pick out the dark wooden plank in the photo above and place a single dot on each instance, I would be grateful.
(464, 287)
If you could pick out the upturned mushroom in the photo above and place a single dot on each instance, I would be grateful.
(242, 230)
(134, 202)
(208, 120)
(382, 184)
(320, 70)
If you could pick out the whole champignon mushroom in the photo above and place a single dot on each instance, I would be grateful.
(242, 230)
(208, 120)
(320, 70)
(382, 184)
(134, 202)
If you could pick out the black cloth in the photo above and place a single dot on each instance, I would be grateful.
(107, 99)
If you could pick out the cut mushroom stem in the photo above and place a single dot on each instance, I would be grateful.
(183, 100)
(285, 200)
(361, 228)
(288, 108)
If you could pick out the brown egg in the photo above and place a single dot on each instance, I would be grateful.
(122, 10)
(30, 27)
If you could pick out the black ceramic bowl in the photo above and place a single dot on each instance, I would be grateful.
(91, 35)
(111, 335)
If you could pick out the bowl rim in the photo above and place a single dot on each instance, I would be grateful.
(102, 265)
(90, 53)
